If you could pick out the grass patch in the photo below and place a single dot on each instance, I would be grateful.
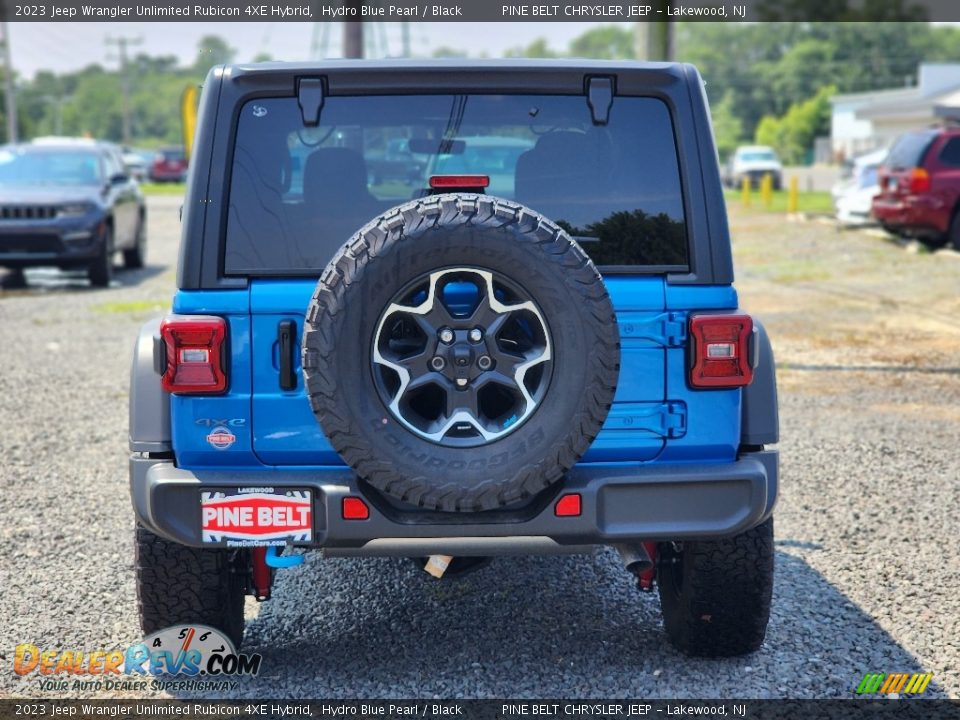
(132, 307)
(151, 188)
(809, 202)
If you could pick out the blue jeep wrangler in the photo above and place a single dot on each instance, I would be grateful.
(524, 341)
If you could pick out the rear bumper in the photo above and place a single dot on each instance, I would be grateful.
(49, 243)
(921, 215)
(619, 504)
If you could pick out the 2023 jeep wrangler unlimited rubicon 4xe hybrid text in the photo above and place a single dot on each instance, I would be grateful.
(525, 341)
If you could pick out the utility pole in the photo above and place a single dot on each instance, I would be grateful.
(353, 32)
(405, 39)
(654, 40)
(9, 91)
(122, 44)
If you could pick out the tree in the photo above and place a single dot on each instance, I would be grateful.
(448, 52)
(539, 48)
(607, 42)
(727, 128)
(793, 134)
(212, 50)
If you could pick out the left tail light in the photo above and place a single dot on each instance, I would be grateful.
(720, 351)
(194, 354)
(919, 181)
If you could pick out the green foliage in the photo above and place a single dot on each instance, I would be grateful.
(539, 48)
(89, 102)
(792, 135)
(727, 127)
(607, 42)
(769, 67)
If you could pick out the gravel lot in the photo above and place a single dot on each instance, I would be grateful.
(868, 565)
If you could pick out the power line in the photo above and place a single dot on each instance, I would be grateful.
(122, 44)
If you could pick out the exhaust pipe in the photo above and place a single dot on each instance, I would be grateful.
(635, 558)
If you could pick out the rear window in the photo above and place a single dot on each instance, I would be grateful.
(298, 193)
(909, 149)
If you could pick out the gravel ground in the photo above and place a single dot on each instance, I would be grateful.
(868, 566)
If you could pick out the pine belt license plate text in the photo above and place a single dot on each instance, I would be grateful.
(248, 517)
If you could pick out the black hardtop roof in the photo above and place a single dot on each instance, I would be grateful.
(466, 65)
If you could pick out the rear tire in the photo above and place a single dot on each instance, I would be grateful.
(134, 258)
(953, 237)
(715, 595)
(100, 271)
(177, 585)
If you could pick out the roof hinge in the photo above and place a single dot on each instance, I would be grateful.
(310, 96)
(600, 91)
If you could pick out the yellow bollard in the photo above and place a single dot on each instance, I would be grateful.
(745, 192)
(793, 199)
(766, 190)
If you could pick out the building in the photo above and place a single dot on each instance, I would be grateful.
(861, 122)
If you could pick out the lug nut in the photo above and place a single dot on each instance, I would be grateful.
(446, 336)
(461, 382)
(476, 335)
(437, 362)
(484, 363)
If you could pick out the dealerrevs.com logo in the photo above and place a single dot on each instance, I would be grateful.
(181, 657)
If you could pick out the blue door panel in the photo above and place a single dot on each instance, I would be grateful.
(285, 429)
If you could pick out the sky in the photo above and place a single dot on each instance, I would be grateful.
(70, 46)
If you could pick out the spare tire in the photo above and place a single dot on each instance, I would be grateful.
(461, 353)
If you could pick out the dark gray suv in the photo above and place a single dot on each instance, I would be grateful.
(69, 203)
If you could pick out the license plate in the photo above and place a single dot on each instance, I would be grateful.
(249, 517)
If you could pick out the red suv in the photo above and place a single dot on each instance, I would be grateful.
(920, 186)
(169, 165)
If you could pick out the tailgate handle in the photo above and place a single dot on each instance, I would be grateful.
(286, 336)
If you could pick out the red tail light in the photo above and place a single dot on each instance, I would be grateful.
(919, 181)
(462, 182)
(720, 351)
(194, 354)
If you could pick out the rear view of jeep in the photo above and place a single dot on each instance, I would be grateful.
(521, 337)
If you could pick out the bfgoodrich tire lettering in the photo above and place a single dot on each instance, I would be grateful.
(460, 231)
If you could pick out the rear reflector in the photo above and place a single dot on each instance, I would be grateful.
(194, 354)
(720, 351)
(459, 181)
(355, 509)
(568, 506)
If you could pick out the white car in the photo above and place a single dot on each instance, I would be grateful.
(853, 195)
(753, 162)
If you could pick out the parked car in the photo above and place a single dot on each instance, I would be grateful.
(137, 163)
(920, 186)
(169, 165)
(752, 162)
(463, 374)
(69, 203)
(853, 196)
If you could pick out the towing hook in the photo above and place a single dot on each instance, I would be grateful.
(272, 558)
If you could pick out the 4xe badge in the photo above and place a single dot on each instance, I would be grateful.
(246, 517)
